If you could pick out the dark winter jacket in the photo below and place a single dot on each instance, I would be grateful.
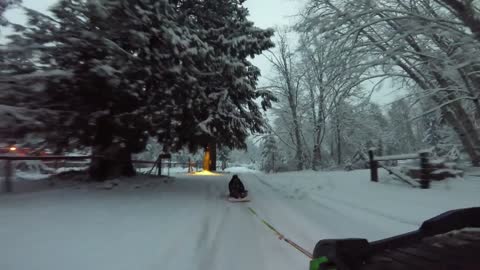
(236, 186)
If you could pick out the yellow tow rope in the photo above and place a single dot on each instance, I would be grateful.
(281, 236)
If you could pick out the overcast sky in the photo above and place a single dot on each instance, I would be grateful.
(265, 14)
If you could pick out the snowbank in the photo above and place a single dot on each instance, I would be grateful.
(352, 192)
(239, 170)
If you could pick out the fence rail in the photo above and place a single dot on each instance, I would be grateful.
(6, 157)
(424, 166)
(10, 159)
(397, 157)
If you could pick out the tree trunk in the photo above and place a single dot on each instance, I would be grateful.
(332, 148)
(296, 126)
(476, 86)
(339, 145)
(273, 162)
(110, 160)
(224, 164)
(292, 93)
(317, 157)
(316, 152)
(298, 141)
(465, 11)
(467, 123)
(317, 149)
(462, 135)
(213, 156)
(463, 124)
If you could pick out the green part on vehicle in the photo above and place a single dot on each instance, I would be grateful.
(316, 263)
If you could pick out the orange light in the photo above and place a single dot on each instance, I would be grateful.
(13, 149)
(206, 173)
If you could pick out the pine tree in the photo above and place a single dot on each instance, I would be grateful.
(138, 68)
(224, 156)
(270, 154)
(222, 100)
(440, 136)
(432, 135)
(4, 5)
(401, 128)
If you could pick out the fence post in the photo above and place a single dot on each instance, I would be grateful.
(425, 171)
(169, 166)
(8, 176)
(373, 166)
(159, 165)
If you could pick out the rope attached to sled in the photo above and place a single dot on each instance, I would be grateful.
(281, 236)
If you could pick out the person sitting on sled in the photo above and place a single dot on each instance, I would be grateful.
(236, 188)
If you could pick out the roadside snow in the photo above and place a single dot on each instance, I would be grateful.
(353, 194)
(239, 170)
(30, 176)
(165, 171)
(70, 169)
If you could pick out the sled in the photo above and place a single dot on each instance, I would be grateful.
(245, 199)
(448, 241)
(234, 200)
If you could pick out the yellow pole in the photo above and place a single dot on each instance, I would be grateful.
(206, 159)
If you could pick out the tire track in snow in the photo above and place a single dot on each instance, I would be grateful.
(368, 210)
(294, 221)
(194, 219)
(363, 214)
(232, 240)
(210, 243)
(207, 244)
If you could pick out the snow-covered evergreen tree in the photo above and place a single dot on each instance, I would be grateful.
(4, 5)
(224, 156)
(175, 70)
(270, 154)
(221, 102)
(251, 155)
(440, 136)
(432, 135)
(401, 128)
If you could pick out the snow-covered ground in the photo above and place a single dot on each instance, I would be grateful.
(34, 174)
(186, 223)
(165, 171)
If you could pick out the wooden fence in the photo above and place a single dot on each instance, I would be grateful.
(52, 161)
(424, 167)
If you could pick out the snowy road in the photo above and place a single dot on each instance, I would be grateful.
(182, 224)
(186, 224)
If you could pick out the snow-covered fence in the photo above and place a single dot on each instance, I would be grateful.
(9, 163)
(56, 164)
(425, 176)
(160, 164)
(9, 169)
